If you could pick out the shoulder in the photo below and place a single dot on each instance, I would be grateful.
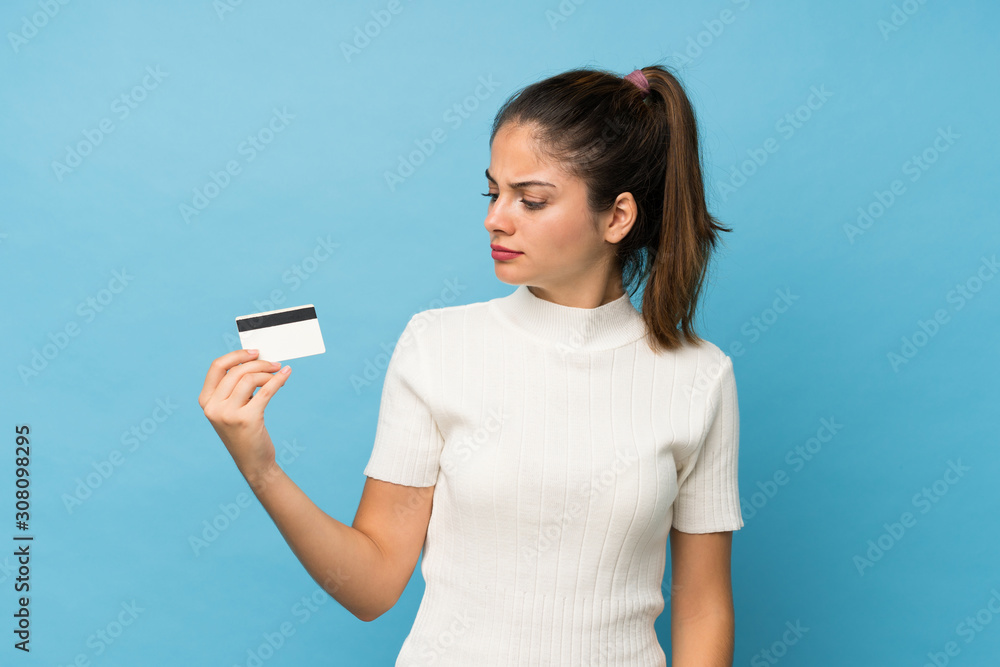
(700, 357)
(436, 324)
(708, 351)
(717, 369)
(715, 363)
(701, 368)
(715, 358)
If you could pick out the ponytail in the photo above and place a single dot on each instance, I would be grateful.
(679, 254)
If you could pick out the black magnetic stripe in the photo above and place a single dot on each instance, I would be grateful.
(274, 319)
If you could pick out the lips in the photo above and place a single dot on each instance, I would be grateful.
(502, 249)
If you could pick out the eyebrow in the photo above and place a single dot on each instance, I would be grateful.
(519, 185)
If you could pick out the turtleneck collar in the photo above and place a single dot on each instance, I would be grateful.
(608, 326)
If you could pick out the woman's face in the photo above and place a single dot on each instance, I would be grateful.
(540, 211)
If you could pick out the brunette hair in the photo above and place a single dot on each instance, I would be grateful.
(599, 128)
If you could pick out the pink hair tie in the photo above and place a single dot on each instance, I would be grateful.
(640, 80)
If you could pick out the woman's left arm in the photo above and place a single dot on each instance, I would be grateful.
(702, 621)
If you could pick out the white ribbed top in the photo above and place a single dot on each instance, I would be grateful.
(562, 449)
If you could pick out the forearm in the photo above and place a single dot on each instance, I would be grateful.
(703, 640)
(342, 559)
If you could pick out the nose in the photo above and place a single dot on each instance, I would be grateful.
(497, 220)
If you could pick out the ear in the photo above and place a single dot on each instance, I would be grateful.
(624, 213)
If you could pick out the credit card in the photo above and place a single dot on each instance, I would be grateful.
(288, 333)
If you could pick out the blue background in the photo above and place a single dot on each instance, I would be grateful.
(822, 353)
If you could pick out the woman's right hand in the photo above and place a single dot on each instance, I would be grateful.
(237, 414)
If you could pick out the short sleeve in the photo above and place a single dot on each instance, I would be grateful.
(708, 497)
(408, 444)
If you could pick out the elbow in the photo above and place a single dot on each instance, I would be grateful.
(369, 615)
(373, 609)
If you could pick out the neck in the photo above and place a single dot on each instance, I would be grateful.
(578, 298)
(614, 323)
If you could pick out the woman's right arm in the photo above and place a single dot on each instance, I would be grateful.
(366, 566)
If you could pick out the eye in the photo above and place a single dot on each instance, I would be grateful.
(534, 206)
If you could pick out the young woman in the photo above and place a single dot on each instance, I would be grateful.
(559, 434)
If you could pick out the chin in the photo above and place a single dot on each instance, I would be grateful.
(507, 274)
